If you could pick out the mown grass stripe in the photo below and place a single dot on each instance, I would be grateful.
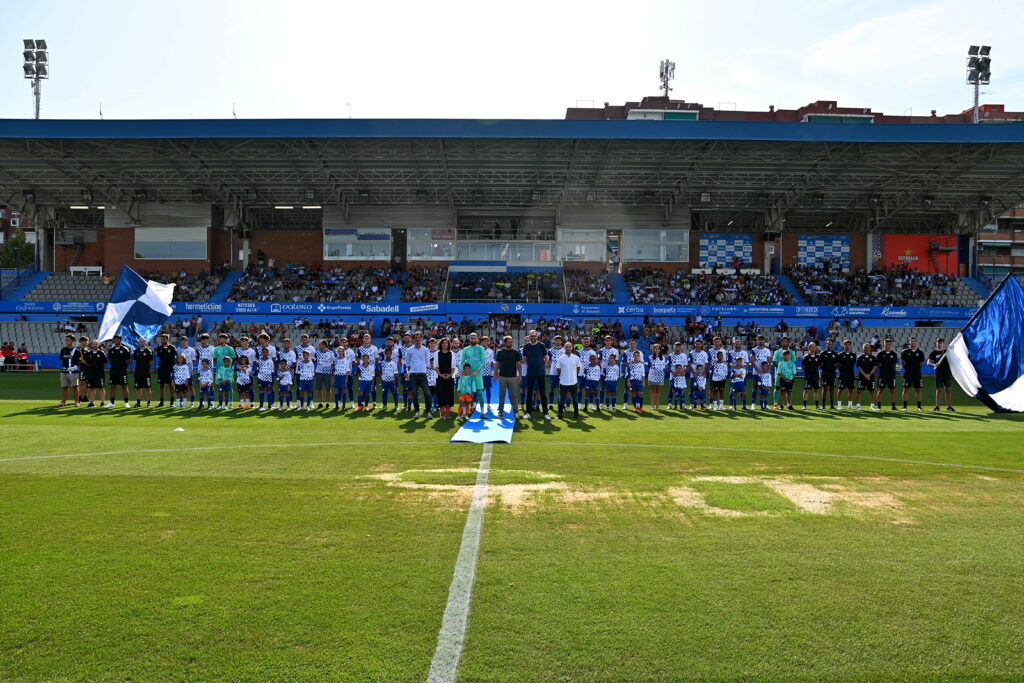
(445, 665)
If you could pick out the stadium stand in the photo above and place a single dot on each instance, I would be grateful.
(655, 286)
(424, 284)
(585, 287)
(893, 288)
(539, 287)
(310, 284)
(67, 287)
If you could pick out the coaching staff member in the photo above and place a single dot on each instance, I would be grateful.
(166, 355)
(70, 359)
(568, 367)
(119, 356)
(913, 361)
(416, 358)
(508, 365)
(943, 376)
(536, 357)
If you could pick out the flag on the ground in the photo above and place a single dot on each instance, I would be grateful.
(137, 308)
(987, 357)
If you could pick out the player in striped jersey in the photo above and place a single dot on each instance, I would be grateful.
(698, 387)
(190, 360)
(245, 350)
(367, 373)
(592, 382)
(304, 345)
(342, 375)
(324, 374)
(627, 358)
(604, 353)
(488, 367)
(264, 369)
(287, 353)
(677, 388)
(764, 384)
(719, 378)
(243, 377)
(759, 355)
(738, 368)
(635, 377)
(284, 384)
(556, 351)
(368, 348)
(388, 372)
(349, 378)
(305, 369)
(611, 382)
(205, 383)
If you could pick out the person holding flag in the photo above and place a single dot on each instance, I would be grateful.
(987, 356)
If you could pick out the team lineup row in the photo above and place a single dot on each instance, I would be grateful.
(352, 377)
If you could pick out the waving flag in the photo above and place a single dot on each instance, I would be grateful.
(137, 308)
(987, 357)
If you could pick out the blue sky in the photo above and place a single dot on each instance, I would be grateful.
(524, 59)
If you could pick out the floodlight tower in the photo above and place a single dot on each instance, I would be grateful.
(979, 71)
(666, 74)
(37, 66)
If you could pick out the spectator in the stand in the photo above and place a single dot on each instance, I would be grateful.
(831, 284)
(654, 286)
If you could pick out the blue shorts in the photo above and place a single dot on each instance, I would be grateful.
(365, 386)
(739, 385)
(387, 386)
(285, 388)
(340, 381)
(306, 386)
(611, 385)
(225, 387)
(266, 384)
(591, 385)
(636, 385)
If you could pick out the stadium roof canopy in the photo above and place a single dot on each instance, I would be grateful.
(737, 176)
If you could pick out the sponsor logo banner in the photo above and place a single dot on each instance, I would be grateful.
(926, 253)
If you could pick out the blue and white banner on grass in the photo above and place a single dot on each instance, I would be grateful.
(987, 357)
(137, 308)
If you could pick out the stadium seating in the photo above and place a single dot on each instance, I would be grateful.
(655, 286)
(424, 284)
(539, 287)
(68, 287)
(894, 288)
(310, 284)
(585, 287)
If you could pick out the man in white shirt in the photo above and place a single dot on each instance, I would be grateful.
(568, 369)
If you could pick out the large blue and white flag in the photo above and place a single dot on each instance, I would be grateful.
(137, 308)
(987, 357)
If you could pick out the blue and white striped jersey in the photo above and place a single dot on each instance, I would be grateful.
(305, 369)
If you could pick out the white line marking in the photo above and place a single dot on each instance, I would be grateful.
(445, 664)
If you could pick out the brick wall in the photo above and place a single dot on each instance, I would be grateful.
(288, 246)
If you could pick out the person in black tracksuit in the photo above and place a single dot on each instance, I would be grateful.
(166, 356)
(70, 370)
(120, 356)
(913, 361)
(943, 376)
(846, 360)
(143, 357)
(828, 359)
(888, 362)
(811, 365)
(867, 368)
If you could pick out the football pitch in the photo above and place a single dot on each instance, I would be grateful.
(668, 545)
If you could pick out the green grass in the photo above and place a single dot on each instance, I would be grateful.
(270, 546)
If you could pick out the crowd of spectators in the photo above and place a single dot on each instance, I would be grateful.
(190, 286)
(896, 287)
(535, 287)
(424, 285)
(585, 287)
(655, 286)
(311, 284)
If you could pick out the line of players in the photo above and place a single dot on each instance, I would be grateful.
(353, 376)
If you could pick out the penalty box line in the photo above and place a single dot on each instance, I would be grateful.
(445, 665)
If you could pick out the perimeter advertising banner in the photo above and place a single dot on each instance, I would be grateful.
(921, 252)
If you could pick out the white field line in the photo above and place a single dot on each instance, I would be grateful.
(450, 638)
(529, 443)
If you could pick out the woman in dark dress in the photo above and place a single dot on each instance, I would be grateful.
(445, 378)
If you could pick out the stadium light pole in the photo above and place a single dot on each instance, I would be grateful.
(979, 71)
(36, 67)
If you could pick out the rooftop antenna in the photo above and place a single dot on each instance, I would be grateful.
(36, 67)
(666, 74)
